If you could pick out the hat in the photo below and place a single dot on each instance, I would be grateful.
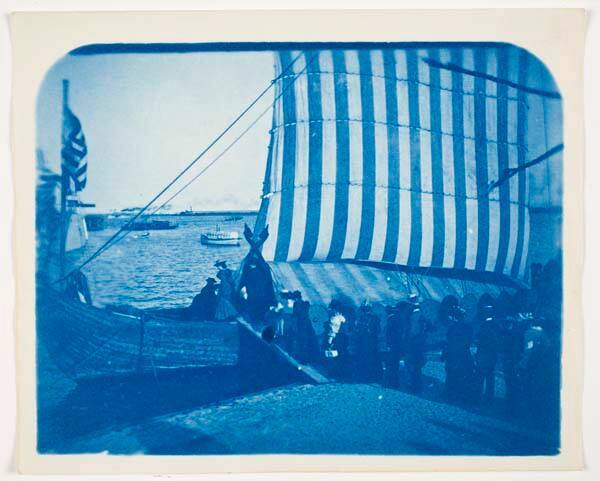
(221, 264)
(211, 281)
(488, 312)
(414, 299)
(365, 307)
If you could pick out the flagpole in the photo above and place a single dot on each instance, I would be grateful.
(64, 184)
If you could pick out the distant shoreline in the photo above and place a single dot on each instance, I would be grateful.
(188, 214)
(212, 213)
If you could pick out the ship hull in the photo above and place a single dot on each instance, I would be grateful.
(87, 342)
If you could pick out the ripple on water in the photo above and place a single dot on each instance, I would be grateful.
(166, 269)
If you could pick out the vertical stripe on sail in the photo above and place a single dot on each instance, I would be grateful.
(301, 164)
(405, 222)
(329, 159)
(525, 251)
(481, 161)
(414, 256)
(288, 162)
(504, 189)
(391, 105)
(342, 154)
(513, 154)
(447, 159)
(355, 160)
(368, 156)
(459, 163)
(470, 160)
(425, 134)
(437, 166)
(315, 160)
(522, 175)
(272, 216)
(381, 157)
(491, 91)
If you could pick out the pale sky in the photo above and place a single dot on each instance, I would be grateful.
(146, 116)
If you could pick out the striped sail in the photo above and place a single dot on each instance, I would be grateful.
(387, 155)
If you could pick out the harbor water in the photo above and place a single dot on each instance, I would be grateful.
(158, 268)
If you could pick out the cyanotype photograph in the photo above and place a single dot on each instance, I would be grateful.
(299, 248)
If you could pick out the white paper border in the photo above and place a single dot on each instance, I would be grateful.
(555, 36)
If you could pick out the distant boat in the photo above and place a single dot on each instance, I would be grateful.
(151, 225)
(187, 212)
(95, 222)
(233, 218)
(220, 238)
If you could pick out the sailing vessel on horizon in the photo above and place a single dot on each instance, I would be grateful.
(377, 187)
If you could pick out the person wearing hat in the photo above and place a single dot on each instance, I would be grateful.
(415, 346)
(367, 362)
(204, 304)
(457, 357)
(486, 357)
(307, 344)
(225, 309)
(537, 395)
(257, 283)
(396, 336)
(513, 338)
(337, 341)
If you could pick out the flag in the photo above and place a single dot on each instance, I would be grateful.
(74, 150)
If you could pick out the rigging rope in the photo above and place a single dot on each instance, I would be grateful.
(508, 173)
(254, 122)
(123, 230)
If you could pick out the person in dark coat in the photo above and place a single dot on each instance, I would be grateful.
(415, 348)
(538, 399)
(337, 342)
(397, 323)
(488, 347)
(457, 357)
(225, 310)
(367, 361)
(204, 305)
(257, 280)
(513, 337)
(341, 345)
(307, 345)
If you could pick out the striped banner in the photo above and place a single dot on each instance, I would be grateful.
(74, 150)
(387, 155)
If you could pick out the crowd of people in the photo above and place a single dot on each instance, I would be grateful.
(215, 302)
(514, 337)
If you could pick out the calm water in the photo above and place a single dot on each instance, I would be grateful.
(165, 269)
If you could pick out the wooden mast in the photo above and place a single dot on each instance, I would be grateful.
(64, 184)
